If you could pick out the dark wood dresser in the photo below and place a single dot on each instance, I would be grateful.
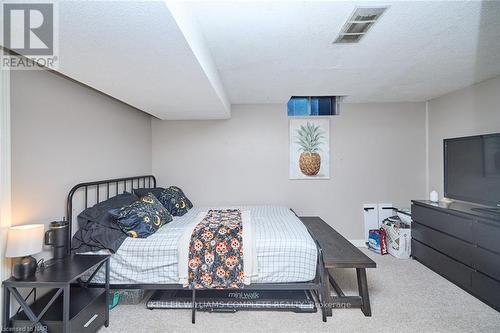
(461, 244)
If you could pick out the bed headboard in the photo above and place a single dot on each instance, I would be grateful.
(98, 191)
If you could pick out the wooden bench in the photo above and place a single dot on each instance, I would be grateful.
(338, 252)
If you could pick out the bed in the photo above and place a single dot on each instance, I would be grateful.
(287, 257)
(285, 250)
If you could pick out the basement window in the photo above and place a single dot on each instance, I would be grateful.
(306, 106)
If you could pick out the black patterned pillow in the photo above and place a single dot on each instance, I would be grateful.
(140, 192)
(175, 201)
(142, 217)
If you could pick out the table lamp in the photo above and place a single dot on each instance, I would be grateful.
(22, 242)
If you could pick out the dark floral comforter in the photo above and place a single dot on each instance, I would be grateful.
(216, 251)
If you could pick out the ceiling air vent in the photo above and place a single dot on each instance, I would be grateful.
(359, 23)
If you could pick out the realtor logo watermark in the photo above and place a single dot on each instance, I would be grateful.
(30, 29)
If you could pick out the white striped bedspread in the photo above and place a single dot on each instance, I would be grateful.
(285, 250)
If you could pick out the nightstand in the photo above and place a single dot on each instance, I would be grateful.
(71, 305)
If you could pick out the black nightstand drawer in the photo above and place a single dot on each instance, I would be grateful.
(87, 311)
(454, 225)
(453, 247)
(91, 318)
(446, 266)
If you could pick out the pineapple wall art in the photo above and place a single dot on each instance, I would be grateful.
(310, 148)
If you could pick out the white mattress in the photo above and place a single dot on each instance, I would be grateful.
(285, 250)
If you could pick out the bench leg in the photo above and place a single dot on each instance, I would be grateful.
(326, 295)
(363, 292)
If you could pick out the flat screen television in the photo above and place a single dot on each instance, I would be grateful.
(472, 169)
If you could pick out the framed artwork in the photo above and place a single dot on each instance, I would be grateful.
(309, 148)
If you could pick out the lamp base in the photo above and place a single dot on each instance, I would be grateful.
(24, 268)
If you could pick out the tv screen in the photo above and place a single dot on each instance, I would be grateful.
(472, 169)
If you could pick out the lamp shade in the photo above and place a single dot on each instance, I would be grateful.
(24, 240)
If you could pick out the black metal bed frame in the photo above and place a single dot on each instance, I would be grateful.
(317, 286)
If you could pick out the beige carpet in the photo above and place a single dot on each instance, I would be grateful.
(405, 297)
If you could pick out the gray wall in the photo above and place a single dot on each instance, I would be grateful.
(469, 111)
(377, 155)
(63, 134)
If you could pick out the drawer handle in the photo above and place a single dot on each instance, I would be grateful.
(90, 320)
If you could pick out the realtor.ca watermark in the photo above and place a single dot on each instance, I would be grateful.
(30, 34)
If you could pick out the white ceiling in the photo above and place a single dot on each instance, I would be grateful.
(266, 52)
(191, 60)
(137, 53)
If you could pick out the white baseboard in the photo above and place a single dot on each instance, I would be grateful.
(358, 242)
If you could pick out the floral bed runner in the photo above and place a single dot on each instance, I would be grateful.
(216, 251)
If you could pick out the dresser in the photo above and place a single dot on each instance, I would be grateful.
(461, 244)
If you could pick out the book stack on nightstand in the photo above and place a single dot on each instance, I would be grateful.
(71, 305)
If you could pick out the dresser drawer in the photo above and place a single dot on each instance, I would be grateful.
(451, 246)
(487, 262)
(444, 265)
(454, 225)
(487, 235)
(487, 289)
